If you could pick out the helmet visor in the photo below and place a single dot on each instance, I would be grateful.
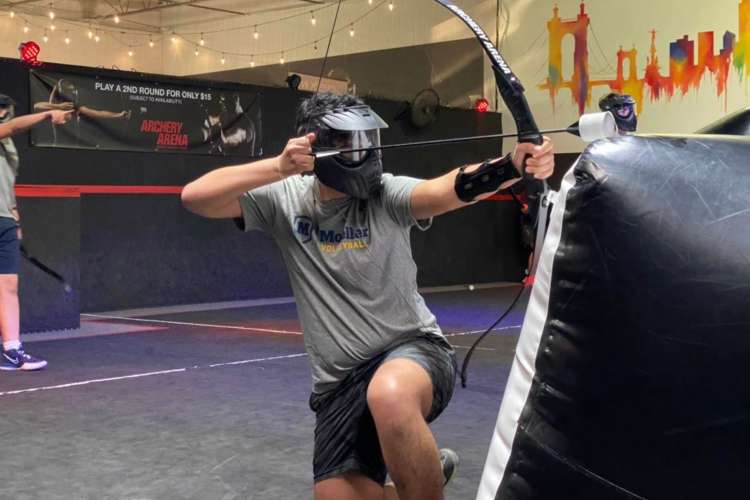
(361, 141)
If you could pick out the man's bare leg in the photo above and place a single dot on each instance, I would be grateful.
(400, 397)
(9, 309)
(352, 486)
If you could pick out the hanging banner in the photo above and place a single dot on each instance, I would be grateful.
(131, 114)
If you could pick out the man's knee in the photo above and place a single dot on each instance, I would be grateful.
(399, 389)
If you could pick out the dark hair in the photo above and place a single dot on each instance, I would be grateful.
(313, 107)
(6, 101)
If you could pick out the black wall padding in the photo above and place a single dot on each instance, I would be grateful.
(51, 234)
(640, 388)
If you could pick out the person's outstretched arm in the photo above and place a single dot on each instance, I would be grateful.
(216, 195)
(25, 122)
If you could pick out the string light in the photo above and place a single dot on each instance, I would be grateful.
(94, 35)
(252, 61)
(130, 53)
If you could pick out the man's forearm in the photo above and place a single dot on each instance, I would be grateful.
(216, 193)
(22, 123)
(435, 196)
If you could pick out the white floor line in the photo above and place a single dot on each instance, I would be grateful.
(93, 381)
(472, 332)
(147, 374)
(248, 361)
(469, 347)
(187, 323)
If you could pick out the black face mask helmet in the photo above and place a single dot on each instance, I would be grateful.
(357, 174)
(622, 107)
(9, 104)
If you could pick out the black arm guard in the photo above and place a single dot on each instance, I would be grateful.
(486, 179)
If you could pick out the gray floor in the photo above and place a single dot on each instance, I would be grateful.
(204, 405)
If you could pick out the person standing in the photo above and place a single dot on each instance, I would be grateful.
(14, 357)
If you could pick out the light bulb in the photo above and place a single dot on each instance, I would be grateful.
(256, 35)
(351, 31)
(391, 6)
(116, 19)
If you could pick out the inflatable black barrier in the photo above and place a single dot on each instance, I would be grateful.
(737, 123)
(630, 379)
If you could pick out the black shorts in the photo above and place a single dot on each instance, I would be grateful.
(345, 435)
(10, 253)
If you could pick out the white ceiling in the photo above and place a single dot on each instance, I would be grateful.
(157, 15)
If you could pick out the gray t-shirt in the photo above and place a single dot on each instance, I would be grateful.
(350, 267)
(8, 171)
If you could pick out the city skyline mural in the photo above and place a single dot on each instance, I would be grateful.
(688, 65)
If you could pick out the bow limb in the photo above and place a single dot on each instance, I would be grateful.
(510, 87)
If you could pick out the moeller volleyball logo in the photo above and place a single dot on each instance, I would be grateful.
(169, 133)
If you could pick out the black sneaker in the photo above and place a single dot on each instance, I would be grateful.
(17, 359)
(449, 460)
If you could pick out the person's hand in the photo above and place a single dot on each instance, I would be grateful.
(541, 161)
(60, 117)
(297, 156)
(65, 106)
(19, 232)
